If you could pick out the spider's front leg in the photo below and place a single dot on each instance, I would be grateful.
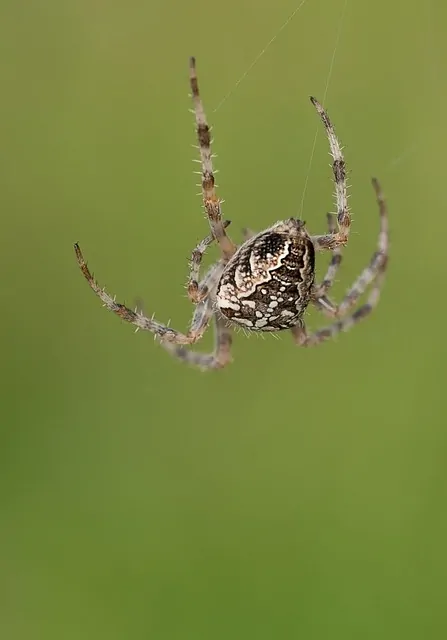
(162, 331)
(210, 200)
(339, 238)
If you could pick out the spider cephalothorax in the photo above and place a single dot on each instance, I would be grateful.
(267, 282)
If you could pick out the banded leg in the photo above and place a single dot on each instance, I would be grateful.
(373, 274)
(219, 358)
(328, 280)
(197, 292)
(221, 355)
(333, 240)
(137, 318)
(375, 268)
(346, 323)
(210, 200)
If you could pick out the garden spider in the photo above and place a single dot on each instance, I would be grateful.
(267, 282)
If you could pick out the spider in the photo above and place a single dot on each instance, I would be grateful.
(266, 283)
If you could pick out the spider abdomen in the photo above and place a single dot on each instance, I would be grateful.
(266, 285)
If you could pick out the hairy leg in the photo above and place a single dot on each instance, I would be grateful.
(210, 200)
(198, 292)
(373, 274)
(332, 240)
(336, 258)
(372, 271)
(219, 358)
(138, 318)
(345, 324)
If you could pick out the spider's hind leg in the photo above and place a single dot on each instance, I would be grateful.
(373, 274)
(379, 260)
(344, 324)
(320, 290)
(370, 273)
(219, 358)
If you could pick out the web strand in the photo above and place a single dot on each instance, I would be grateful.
(328, 79)
(260, 54)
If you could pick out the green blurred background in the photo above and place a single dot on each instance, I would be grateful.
(298, 493)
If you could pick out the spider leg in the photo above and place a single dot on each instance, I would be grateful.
(211, 202)
(221, 355)
(373, 274)
(332, 240)
(219, 358)
(328, 280)
(372, 271)
(198, 292)
(303, 340)
(138, 319)
(201, 318)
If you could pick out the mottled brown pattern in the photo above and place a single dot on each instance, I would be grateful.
(203, 135)
(278, 289)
